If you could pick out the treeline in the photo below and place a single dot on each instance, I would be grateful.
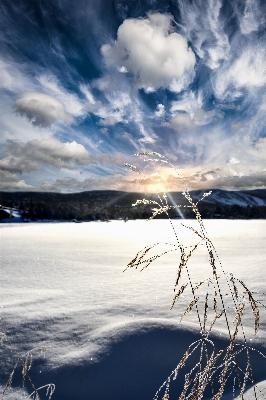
(80, 210)
(233, 211)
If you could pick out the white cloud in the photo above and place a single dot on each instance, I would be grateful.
(93, 107)
(68, 184)
(177, 85)
(238, 126)
(16, 186)
(228, 179)
(121, 107)
(208, 177)
(257, 151)
(252, 17)
(71, 102)
(7, 176)
(160, 110)
(15, 78)
(114, 111)
(238, 172)
(87, 93)
(230, 162)
(9, 181)
(188, 103)
(18, 164)
(7, 81)
(202, 117)
(119, 100)
(147, 50)
(233, 160)
(12, 77)
(13, 127)
(244, 168)
(150, 89)
(26, 157)
(105, 83)
(104, 131)
(220, 49)
(109, 121)
(203, 25)
(247, 72)
(40, 109)
(181, 123)
(127, 136)
(30, 156)
(123, 70)
(147, 138)
(250, 68)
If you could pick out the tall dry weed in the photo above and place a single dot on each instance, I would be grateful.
(22, 367)
(213, 300)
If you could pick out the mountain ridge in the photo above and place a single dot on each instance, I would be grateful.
(254, 197)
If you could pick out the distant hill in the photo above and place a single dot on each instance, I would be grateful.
(111, 204)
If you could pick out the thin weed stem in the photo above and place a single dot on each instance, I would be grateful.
(213, 368)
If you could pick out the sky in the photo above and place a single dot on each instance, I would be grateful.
(86, 85)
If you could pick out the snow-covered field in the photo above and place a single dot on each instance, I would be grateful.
(111, 335)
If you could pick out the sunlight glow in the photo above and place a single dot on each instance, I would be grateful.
(174, 204)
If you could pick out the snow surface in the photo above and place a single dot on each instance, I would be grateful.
(109, 334)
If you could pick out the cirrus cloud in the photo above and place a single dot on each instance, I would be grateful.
(246, 73)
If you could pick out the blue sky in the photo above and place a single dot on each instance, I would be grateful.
(87, 84)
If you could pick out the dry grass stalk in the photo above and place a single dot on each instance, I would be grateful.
(24, 363)
(214, 368)
(25, 367)
(189, 307)
(181, 290)
(255, 308)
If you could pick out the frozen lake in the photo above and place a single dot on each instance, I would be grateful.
(107, 331)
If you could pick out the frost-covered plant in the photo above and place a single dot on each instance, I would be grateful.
(23, 364)
(222, 298)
